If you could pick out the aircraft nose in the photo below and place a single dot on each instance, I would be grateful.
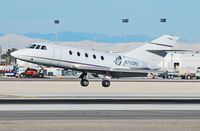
(15, 54)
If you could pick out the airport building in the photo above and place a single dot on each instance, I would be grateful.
(181, 61)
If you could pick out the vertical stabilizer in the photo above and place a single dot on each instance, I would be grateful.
(147, 53)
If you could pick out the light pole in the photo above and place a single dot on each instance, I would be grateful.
(125, 21)
(163, 20)
(56, 22)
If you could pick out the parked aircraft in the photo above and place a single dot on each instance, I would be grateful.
(135, 63)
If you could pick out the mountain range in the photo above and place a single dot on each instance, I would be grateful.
(97, 37)
(20, 41)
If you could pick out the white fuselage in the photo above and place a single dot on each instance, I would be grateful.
(70, 57)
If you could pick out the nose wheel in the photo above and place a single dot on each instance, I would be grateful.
(105, 83)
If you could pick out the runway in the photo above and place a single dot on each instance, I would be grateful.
(98, 115)
(100, 120)
(126, 105)
(101, 101)
(76, 79)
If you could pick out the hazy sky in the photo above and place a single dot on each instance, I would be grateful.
(101, 16)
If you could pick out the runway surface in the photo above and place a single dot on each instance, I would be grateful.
(101, 101)
(100, 120)
(98, 115)
(151, 105)
(131, 79)
(95, 87)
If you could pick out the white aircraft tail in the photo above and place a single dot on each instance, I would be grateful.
(154, 51)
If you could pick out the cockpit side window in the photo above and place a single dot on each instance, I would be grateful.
(32, 46)
(43, 48)
(38, 47)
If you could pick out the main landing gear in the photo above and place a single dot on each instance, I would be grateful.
(105, 83)
(84, 82)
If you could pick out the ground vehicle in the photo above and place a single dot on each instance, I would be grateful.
(190, 74)
(8, 70)
(198, 73)
(30, 72)
(169, 74)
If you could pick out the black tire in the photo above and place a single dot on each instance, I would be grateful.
(22, 75)
(84, 82)
(189, 77)
(182, 77)
(105, 83)
(41, 75)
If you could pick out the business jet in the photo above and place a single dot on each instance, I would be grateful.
(136, 63)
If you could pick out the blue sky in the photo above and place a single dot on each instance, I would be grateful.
(101, 16)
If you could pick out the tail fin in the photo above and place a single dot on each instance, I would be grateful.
(164, 42)
(154, 51)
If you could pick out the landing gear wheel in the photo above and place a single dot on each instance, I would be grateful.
(105, 83)
(84, 82)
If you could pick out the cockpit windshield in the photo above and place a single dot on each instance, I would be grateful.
(29, 46)
(38, 47)
(35, 46)
(43, 48)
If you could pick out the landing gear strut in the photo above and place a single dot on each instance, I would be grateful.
(105, 83)
(84, 81)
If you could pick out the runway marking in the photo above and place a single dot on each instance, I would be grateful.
(17, 96)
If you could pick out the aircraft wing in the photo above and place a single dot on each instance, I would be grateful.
(119, 72)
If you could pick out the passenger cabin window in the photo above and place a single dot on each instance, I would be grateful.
(38, 47)
(78, 53)
(43, 48)
(32, 46)
(94, 56)
(102, 58)
(86, 55)
(70, 52)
